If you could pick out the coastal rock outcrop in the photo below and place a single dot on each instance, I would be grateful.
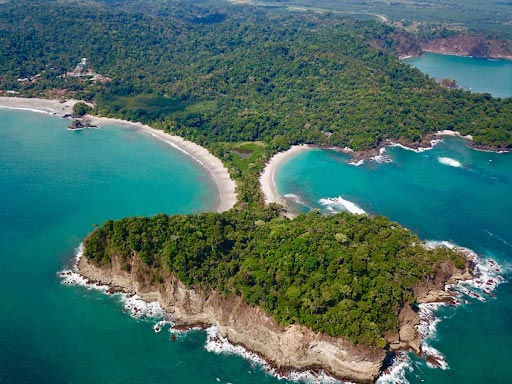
(286, 348)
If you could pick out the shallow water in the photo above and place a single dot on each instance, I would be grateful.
(477, 75)
(55, 184)
(448, 193)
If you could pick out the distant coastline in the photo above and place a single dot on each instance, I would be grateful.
(453, 53)
(220, 175)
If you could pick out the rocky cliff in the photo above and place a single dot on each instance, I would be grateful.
(469, 45)
(292, 347)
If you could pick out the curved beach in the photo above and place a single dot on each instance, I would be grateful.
(220, 175)
(267, 178)
(50, 107)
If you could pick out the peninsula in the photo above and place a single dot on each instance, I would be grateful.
(337, 293)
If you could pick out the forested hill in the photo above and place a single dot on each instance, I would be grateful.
(215, 72)
(342, 275)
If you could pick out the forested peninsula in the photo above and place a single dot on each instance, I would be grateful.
(247, 83)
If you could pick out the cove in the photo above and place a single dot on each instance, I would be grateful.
(55, 185)
(477, 75)
(450, 192)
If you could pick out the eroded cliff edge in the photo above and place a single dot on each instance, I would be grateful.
(292, 347)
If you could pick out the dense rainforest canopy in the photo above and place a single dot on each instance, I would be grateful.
(343, 275)
(226, 73)
(238, 78)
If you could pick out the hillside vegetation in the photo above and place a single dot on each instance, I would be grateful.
(343, 275)
(233, 73)
(247, 83)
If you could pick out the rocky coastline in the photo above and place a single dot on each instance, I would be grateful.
(458, 45)
(284, 348)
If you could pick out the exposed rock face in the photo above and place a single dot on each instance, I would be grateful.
(469, 45)
(294, 346)
(431, 291)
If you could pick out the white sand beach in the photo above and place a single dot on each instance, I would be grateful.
(447, 132)
(220, 175)
(50, 107)
(267, 182)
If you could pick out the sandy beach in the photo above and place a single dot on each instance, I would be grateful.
(447, 132)
(219, 173)
(267, 182)
(50, 107)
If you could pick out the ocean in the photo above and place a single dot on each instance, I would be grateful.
(57, 184)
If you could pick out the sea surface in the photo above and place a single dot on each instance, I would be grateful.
(477, 75)
(449, 193)
(55, 185)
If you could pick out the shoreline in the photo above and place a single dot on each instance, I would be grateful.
(451, 287)
(235, 327)
(452, 53)
(51, 107)
(219, 174)
(226, 186)
(267, 177)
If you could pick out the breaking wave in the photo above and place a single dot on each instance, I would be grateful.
(338, 204)
(486, 277)
(356, 163)
(217, 344)
(295, 198)
(382, 157)
(450, 162)
(132, 304)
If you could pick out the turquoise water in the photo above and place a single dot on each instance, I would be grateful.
(55, 184)
(478, 75)
(468, 203)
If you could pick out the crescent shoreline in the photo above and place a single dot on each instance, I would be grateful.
(226, 186)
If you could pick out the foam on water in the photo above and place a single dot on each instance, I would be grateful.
(47, 111)
(497, 236)
(433, 143)
(382, 157)
(486, 278)
(132, 304)
(356, 163)
(338, 204)
(449, 162)
(72, 277)
(295, 198)
(395, 374)
(217, 344)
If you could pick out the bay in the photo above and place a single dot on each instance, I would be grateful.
(478, 75)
